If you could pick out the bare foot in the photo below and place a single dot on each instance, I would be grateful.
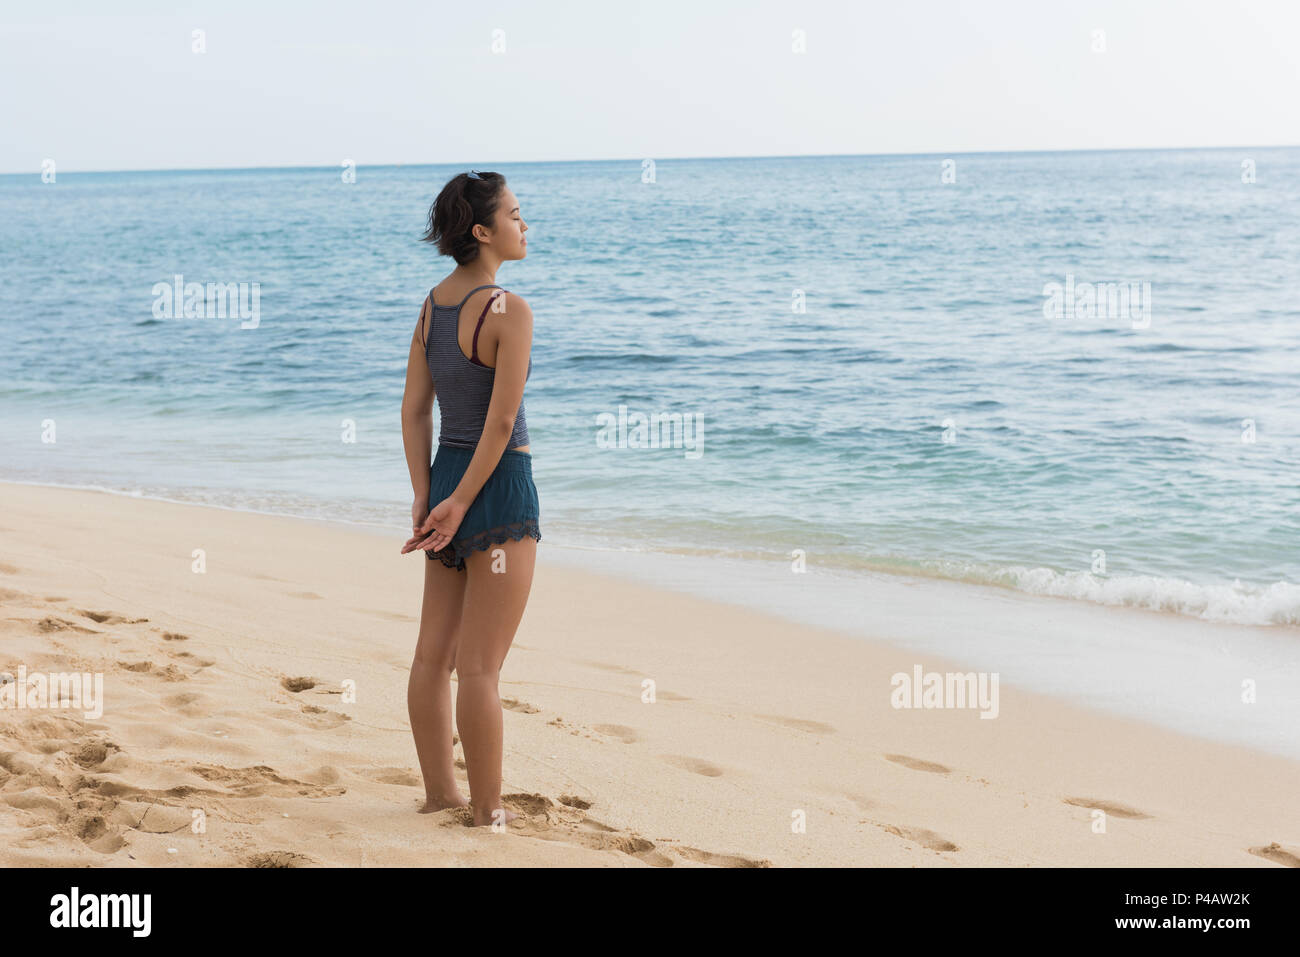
(491, 817)
(441, 803)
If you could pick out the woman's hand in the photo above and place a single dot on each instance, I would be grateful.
(419, 511)
(438, 528)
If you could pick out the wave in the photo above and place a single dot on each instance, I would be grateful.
(1237, 603)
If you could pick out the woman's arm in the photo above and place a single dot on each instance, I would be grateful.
(516, 342)
(417, 412)
(513, 350)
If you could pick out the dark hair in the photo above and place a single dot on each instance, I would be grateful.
(463, 203)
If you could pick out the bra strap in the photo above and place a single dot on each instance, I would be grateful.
(473, 354)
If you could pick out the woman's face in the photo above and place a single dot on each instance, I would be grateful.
(508, 237)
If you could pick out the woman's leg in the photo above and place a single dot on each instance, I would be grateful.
(499, 581)
(428, 693)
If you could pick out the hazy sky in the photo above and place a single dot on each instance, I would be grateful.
(312, 84)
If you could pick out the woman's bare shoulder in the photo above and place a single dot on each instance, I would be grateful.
(516, 305)
(498, 305)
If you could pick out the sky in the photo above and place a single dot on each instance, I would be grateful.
(386, 81)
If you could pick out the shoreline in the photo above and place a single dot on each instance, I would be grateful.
(1159, 676)
(756, 721)
(1057, 588)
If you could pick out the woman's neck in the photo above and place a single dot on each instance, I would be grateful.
(475, 276)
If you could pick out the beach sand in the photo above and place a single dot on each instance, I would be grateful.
(231, 736)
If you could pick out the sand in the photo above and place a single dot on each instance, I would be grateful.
(254, 714)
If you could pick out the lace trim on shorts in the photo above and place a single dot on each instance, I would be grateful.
(495, 536)
(453, 555)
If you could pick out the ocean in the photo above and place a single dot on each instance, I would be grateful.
(1069, 374)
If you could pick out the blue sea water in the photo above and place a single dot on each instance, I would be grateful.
(865, 349)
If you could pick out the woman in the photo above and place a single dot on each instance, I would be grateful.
(475, 512)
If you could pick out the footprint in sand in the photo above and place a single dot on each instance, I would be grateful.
(93, 753)
(401, 777)
(110, 618)
(194, 660)
(320, 719)
(601, 837)
(919, 835)
(78, 800)
(57, 802)
(97, 834)
(297, 684)
(541, 818)
(51, 623)
(916, 764)
(190, 704)
(538, 816)
(1112, 808)
(698, 856)
(260, 780)
(799, 724)
(514, 704)
(169, 673)
(278, 859)
(622, 732)
(694, 765)
(1278, 854)
(174, 636)
(7, 569)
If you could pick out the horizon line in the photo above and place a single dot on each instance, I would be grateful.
(297, 166)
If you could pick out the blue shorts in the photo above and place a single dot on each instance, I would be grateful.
(505, 508)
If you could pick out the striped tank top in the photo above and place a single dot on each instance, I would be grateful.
(463, 384)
